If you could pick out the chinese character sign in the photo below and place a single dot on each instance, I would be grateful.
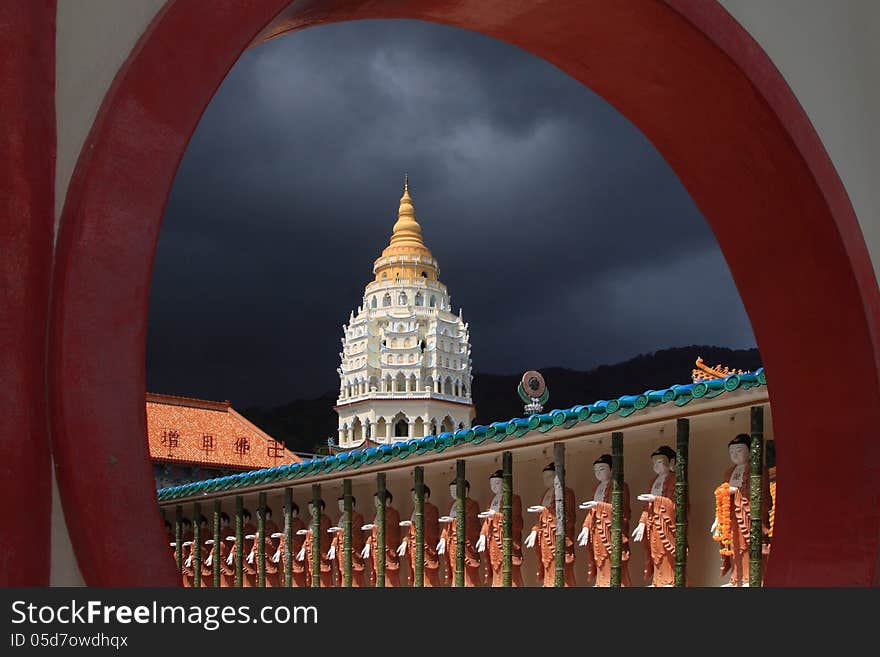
(242, 445)
(170, 438)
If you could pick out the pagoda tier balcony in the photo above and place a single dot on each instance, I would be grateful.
(399, 395)
(421, 283)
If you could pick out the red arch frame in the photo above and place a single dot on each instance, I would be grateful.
(683, 71)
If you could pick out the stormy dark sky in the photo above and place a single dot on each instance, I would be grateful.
(561, 232)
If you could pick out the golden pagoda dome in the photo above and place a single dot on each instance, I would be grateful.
(406, 250)
(407, 230)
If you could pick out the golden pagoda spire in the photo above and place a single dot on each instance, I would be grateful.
(406, 230)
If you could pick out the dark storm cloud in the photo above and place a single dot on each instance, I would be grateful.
(560, 231)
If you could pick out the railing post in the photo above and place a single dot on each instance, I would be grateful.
(459, 523)
(196, 550)
(507, 519)
(346, 533)
(178, 538)
(756, 494)
(316, 535)
(239, 541)
(419, 520)
(261, 540)
(380, 531)
(616, 506)
(559, 494)
(288, 537)
(682, 439)
(215, 549)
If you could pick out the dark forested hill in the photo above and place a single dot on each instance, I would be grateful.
(305, 424)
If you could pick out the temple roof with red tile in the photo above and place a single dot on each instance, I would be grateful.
(209, 434)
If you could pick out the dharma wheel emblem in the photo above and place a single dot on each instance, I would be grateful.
(533, 391)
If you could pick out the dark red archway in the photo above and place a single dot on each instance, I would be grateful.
(683, 71)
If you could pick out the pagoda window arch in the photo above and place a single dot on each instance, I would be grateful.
(373, 302)
(400, 358)
(433, 302)
(386, 300)
(420, 300)
(401, 428)
(401, 299)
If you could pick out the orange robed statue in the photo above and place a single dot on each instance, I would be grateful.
(206, 535)
(226, 542)
(299, 569)
(491, 534)
(187, 573)
(596, 532)
(323, 540)
(431, 524)
(337, 546)
(449, 538)
(657, 522)
(392, 540)
(738, 478)
(543, 535)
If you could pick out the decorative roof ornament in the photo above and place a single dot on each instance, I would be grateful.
(533, 391)
(705, 373)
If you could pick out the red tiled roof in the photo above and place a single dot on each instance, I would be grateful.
(208, 433)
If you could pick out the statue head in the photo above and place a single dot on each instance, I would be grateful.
(246, 515)
(739, 449)
(294, 510)
(321, 504)
(340, 501)
(453, 487)
(187, 523)
(602, 468)
(267, 513)
(496, 481)
(224, 519)
(663, 460)
(389, 498)
(549, 474)
(427, 493)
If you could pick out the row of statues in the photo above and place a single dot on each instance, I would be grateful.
(483, 535)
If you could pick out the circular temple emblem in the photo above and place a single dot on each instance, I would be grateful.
(533, 384)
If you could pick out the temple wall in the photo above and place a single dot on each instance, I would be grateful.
(708, 462)
(827, 53)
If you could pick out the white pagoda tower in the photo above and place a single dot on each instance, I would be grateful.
(406, 358)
